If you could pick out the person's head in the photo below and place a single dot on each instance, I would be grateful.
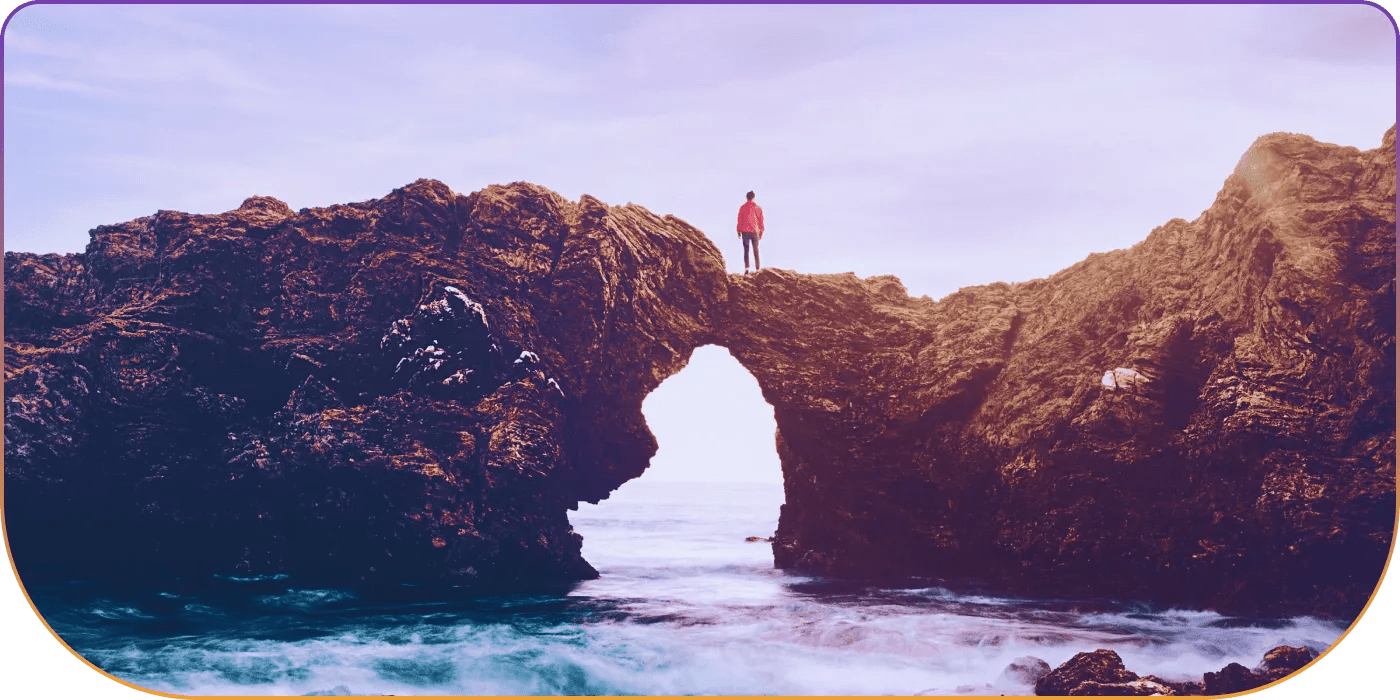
(749, 196)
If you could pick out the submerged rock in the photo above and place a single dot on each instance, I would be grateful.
(1026, 670)
(416, 389)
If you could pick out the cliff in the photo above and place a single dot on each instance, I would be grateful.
(1206, 419)
(416, 389)
(412, 389)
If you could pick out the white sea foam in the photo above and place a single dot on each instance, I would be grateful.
(684, 606)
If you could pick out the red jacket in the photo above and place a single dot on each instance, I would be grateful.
(751, 218)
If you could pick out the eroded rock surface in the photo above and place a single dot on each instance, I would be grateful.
(411, 389)
(1101, 672)
(1206, 418)
(417, 388)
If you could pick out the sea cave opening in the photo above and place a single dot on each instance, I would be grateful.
(712, 492)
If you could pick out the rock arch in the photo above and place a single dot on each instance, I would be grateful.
(226, 392)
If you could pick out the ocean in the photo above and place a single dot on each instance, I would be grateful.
(684, 605)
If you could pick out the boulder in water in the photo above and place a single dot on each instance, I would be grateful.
(1279, 662)
(1102, 672)
(1102, 667)
(1234, 678)
(1283, 660)
(1025, 670)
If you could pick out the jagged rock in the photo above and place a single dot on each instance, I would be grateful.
(417, 388)
(1279, 662)
(1088, 673)
(1177, 687)
(1234, 678)
(1102, 672)
(1284, 660)
(1243, 458)
(411, 389)
(1134, 688)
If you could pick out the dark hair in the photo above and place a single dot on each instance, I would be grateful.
(749, 195)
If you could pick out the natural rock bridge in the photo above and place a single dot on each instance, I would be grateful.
(418, 388)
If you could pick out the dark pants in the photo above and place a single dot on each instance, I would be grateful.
(751, 238)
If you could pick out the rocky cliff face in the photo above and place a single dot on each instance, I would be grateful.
(416, 388)
(1207, 418)
(412, 389)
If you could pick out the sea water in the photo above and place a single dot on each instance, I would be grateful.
(684, 605)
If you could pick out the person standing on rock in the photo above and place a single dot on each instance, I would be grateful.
(750, 230)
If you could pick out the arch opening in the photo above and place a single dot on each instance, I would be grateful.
(713, 486)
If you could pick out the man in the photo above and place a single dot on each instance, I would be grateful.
(750, 230)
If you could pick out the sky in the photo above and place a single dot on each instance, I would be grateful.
(948, 145)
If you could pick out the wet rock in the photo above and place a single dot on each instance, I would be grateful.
(1026, 670)
(969, 689)
(1284, 660)
(1176, 687)
(1093, 670)
(1279, 662)
(1102, 673)
(1099, 672)
(1137, 687)
(1233, 678)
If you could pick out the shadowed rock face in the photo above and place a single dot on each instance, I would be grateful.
(417, 388)
(409, 389)
(1241, 457)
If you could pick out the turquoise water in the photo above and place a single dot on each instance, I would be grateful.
(684, 606)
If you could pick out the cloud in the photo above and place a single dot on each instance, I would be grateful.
(687, 47)
(882, 122)
(31, 21)
(132, 71)
(1343, 35)
(34, 79)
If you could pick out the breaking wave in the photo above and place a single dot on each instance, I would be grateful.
(684, 606)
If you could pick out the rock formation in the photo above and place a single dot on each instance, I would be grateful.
(1098, 672)
(1204, 419)
(1101, 672)
(413, 389)
(417, 388)
(1025, 670)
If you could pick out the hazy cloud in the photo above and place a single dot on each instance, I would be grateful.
(949, 145)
